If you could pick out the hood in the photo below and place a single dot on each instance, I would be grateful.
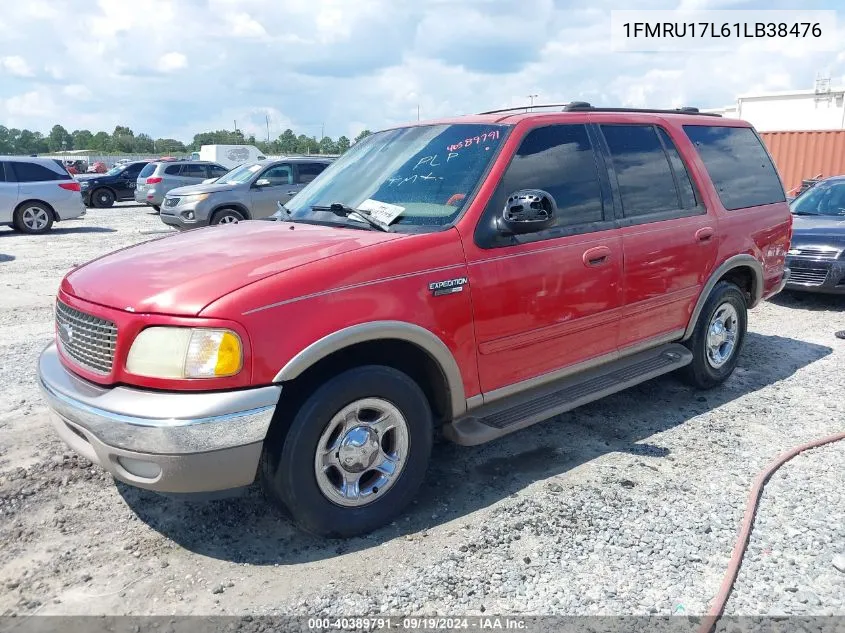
(183, 273)
(87, 176)
(818, 228)
(211, 187)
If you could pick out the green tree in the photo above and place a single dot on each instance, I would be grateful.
(6, 144)
(327, 146)
(364, 134)
(143, 144)
(165, 146)
(287, 142)
(342, 144)
(123, 139)
(82, 139)
(26, 143)
(101, 142)
(305, 145)
(59, 139)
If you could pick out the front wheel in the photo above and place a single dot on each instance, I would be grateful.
(718, 337)
(33, 218)
(226, 216)
(103, 198)
(355, 454)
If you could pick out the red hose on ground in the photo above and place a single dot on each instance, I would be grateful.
(717, 607)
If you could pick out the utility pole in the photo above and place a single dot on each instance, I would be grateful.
(532, 97)
(418, 112)
(322, 131)
(267, 119)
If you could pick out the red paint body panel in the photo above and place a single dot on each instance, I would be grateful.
(528, 309)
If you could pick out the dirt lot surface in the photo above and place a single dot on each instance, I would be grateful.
(628, 505)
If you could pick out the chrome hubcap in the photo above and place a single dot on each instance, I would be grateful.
(35, 219)
(722, 335)
(361, 452)
(228, 219)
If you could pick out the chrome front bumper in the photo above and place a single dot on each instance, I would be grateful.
(173, 442)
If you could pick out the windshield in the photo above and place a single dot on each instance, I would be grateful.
(425, 174)
(114, 171)
(239, 174)
(825, 198)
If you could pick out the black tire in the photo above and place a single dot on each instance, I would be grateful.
(226, 216)
(704, 372)
(288, 471)
(156, 208)
(32, 218)
(102, 198)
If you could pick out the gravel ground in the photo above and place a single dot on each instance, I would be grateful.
(626, 506)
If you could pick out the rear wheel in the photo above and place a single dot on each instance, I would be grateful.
(718, 337)
(355, 454)
(156, 208)
(227, 216)
(33, 218)
(102, 198)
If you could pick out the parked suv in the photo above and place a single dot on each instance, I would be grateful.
(250, 192)
(35, 192)
(480, 274)
(156, 179)
(817, 253)
(116, 185)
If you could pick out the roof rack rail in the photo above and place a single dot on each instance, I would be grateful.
(583, 106)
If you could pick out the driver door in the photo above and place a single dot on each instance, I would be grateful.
(551, 299)
(273, 185)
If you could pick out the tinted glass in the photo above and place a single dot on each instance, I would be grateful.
(825, 198)
(172, 170)
(215, 171)
(32, 172)
(147, 171)
(682, 177)
(279, 175)
(135, 168)
(2, 172)
(309, 171)
(194, 171)
(559, 159)
(738, 164)
(645, 179)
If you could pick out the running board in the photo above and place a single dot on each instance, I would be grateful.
(492, 421)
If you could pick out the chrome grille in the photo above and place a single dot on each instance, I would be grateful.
(808, 276)
(87, 339)
(818, 252)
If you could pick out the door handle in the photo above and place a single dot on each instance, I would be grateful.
(704, 234)
(597, 256)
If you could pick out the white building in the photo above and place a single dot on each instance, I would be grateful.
(819, 109)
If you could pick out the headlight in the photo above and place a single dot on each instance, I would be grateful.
(83, 185)
(197, 197)
(176, 352)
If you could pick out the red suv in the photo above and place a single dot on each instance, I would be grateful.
(478, 274)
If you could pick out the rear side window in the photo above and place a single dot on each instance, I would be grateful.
(2, 172)
(35, 172)
(147, 170)
(738, 164)
(646, 181)
(194, 171)
(172, 170)
(559, 159)
(682, 177)
(309, 171)
(215, 171)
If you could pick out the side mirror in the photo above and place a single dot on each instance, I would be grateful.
(262, 182)
(527, 211)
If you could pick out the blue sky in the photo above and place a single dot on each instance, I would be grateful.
(175, 67)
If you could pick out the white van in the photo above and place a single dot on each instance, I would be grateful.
(230, 156)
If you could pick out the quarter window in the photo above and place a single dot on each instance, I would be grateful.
(646, 182)
(738, 164)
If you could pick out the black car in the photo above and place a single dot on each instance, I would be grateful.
(816, 257)
(116, 185)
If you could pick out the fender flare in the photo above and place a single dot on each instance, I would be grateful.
(426, 340)
(736, 261)
(236, 206)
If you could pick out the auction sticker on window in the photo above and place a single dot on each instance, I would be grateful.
(382, 211)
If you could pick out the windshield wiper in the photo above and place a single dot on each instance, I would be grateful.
(345, 211)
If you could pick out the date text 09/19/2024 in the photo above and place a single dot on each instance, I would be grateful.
(483, 623)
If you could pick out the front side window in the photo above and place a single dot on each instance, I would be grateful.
(172, 170)
(428, 172)
(194, 171)
(278, 175)
(825, 198)
(306, 172)
(241, 174)
(646, 183)
(738, 164)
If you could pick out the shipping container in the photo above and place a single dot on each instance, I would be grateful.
(806, 154)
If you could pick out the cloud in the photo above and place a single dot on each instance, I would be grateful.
(172, 69)
(16, 65)
(170, 62)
